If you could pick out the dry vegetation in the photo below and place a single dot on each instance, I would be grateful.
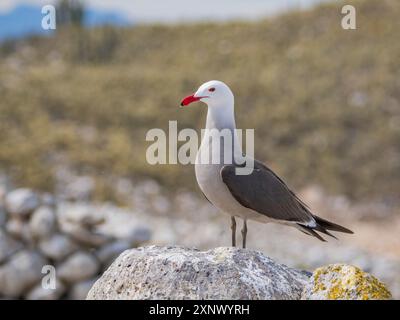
(324, 102)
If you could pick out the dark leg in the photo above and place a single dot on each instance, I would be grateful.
(233, 228)
(244, 233)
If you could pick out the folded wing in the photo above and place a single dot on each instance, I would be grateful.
(264, 192)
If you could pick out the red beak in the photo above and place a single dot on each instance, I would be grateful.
(189, 99)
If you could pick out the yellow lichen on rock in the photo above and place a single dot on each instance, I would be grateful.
(344, 282)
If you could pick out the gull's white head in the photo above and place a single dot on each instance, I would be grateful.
(213, 93)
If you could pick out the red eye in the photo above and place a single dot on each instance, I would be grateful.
(211, 89)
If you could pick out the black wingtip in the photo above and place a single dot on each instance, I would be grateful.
(324, 231)
(315, 234)
(325, 224)
(310, 231)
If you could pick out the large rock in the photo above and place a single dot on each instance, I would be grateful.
(344, 282)
(43, 222)
(77, 267)
(21, 202)
(178, 273)
(20, 273)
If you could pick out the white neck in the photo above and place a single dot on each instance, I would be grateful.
(221, 118)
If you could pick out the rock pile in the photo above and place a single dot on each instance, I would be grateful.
(37, 231)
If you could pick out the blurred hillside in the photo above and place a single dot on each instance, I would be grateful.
(324, 102)
(23, 20)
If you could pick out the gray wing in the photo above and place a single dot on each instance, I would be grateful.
(263, 191)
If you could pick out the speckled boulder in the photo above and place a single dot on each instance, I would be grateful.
(344, 282)
(181, 273)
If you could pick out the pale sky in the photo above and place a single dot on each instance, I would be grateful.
(181, 10)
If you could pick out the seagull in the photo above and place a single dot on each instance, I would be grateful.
(260, 195)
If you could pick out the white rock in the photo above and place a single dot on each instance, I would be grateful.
(21, 202)
(57, 247)
(43, 222)
(77, 267)
(80, 290)
(40, 293)
(20, 273)
(8, 246)
(182, 273)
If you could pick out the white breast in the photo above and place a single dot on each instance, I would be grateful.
(211, 184)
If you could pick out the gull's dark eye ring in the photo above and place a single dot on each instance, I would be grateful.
(211, 89)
